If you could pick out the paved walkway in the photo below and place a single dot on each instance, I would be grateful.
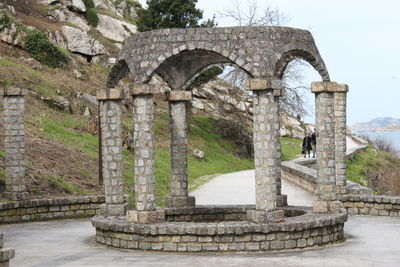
(239, 188)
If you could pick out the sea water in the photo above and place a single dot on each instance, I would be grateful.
(392, 137)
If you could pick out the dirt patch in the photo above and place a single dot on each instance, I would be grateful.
(50, 161)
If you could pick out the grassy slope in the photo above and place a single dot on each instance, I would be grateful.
(376, 169)
(220, 156)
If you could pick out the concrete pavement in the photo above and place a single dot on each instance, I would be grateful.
(239, 188)
(371, 241)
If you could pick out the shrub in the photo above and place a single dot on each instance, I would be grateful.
(43, 50)
(88, 4)
(91, 17)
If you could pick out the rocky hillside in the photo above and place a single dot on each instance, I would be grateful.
(378, 124)
(93, 30)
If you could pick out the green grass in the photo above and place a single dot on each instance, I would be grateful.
(362, 163)
(220, 156)
(291, 148)
(66, 129)
(62, 184)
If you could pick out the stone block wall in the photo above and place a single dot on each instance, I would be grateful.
(221, 236)
(375, 205)
(47, 209)
(359, 200)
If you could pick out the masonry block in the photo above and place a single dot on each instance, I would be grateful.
(260, 216)
(145, 217)
(178, 96)
(180, 202)
(113, 209)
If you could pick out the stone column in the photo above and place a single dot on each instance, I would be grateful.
(266, 148)
(340, 138)
(325, 133)
(14, 143)
(111, 133)
(143, 138)
(281, 199)
(6, 254)
(179, 150)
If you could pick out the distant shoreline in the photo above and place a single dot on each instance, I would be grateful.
(377, 130)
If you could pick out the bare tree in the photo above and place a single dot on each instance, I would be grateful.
(293, 102)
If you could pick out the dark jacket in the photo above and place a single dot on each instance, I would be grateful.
(307, 143)
(313, 139)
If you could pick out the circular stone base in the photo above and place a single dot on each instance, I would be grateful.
(221, 228)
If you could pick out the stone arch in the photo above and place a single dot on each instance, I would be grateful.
(314, 60)
(118, 71)
(180, 69)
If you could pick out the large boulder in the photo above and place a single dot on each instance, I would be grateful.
(115, 29)
(80, 42)
(126, 8)
(107, 5)
(57, 38)
(77, 5)
(58, 103)
(64, 15)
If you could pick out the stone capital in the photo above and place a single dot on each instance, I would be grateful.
(178, 96)
(110, 94)
(329, 87)
(262, 84)
(13, 91)
(143, 89)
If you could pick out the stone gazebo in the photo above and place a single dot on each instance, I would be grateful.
(178, 56)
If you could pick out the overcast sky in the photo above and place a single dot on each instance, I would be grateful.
(359, 41)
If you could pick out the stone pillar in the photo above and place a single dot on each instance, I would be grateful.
(266, 148)
(179, 150)
(281, 199)
(111, 133)
(6, 254)
(325, 133)
(143, 138)
(340, 138)
(14, 143)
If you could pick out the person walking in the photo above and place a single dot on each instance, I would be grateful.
(307, 145)
(314, 144)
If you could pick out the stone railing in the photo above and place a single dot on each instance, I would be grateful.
(372, 204)
(359, 199)
(48, 209)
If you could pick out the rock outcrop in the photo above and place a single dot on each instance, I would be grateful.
(114, 29)
(80, 42)
(64, 15)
